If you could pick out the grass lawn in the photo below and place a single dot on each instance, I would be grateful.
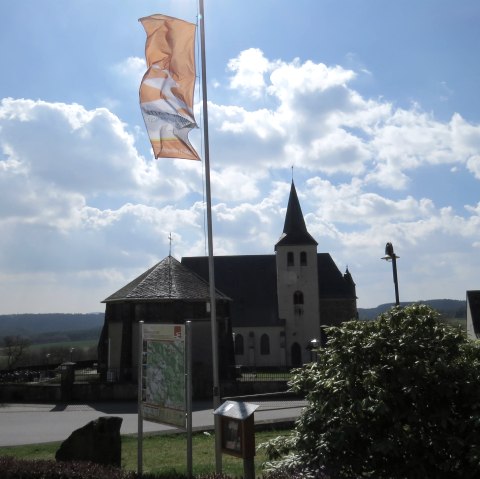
(161, 453)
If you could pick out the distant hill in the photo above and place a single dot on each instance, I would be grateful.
(448, 308)
(40, 328)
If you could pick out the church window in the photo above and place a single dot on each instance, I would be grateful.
(298, 297)
(238, 344)
(264, 344)
(290, 260)
(298, 303)
(303, 258)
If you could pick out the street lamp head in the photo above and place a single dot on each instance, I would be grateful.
(391, 256)
(389, 253)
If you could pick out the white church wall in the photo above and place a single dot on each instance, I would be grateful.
(253, 352)
(298, 279)
(470, 329)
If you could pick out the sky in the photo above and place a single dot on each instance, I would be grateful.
(374, 103)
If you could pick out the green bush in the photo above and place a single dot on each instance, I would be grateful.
(398, 397)
(14, 468)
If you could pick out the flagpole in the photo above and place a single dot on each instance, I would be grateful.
(211, 274)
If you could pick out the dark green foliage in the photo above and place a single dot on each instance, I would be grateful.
(398, 397)
(13, 468)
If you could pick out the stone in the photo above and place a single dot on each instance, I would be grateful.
(98, 441)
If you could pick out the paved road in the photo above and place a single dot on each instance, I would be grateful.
(37, 423)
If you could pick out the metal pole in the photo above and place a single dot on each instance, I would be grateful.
(391, 256)
(213, 313)
(188, 378)
(139, 404)
(249, 468)
(395, 279)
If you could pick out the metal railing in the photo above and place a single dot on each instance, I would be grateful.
(92, 373)
(253, 374)
(50, 373)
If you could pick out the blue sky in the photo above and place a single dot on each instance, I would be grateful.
(374, 103)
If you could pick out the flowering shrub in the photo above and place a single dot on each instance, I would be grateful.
(394, 398)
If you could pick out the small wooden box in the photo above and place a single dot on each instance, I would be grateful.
(237, 428)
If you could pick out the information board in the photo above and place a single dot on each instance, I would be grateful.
(163, 374)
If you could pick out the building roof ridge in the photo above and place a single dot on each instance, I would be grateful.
(168, 279)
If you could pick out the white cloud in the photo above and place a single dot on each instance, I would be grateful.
(67, 179)
(249, 69)
(80, 205)
(350, 204)
(131, 69)
(325, 125)
(68, 147)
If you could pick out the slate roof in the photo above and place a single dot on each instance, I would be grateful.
(251, 282)
(294, 229)
(332, 284)
(473, 301)
(167, 280)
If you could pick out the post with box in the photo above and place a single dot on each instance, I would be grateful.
(238, 432)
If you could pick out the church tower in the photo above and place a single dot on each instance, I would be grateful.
(297, 284)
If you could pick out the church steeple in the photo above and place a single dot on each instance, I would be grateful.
(294, 230)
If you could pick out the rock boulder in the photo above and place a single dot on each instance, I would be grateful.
(98, 441)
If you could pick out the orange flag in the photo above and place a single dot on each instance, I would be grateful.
(166, 91)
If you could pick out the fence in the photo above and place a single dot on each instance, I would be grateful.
(84, 371)
(88, 371)
(250, 374)
(88, 382)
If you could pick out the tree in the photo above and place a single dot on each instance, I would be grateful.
(398, 397)
(15, 348)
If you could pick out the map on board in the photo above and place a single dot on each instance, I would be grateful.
(164, 373)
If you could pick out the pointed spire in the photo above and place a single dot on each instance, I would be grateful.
(294, 230)
(348, 276)
(349, 279)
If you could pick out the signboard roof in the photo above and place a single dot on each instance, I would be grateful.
(236, 409)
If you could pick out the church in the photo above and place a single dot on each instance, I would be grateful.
(269, 307)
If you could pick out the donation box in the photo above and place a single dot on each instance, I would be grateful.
(237, 428)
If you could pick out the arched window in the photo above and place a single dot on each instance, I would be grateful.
(297, 297)
(290, 260)
(264, 344)
(238, 344)
(303, 258)
(298, 303)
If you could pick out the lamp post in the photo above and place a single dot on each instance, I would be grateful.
(313, 346)
(391, 256)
